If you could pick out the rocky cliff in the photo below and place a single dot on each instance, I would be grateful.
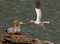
(20, 38)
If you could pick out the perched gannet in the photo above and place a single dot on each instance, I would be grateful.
(39, 15)
(15, 29)
(19, 26)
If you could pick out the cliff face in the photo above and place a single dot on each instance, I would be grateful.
(20, 38)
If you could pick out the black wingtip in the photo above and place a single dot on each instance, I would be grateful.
(38, 4)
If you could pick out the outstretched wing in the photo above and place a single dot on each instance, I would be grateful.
(38, 11)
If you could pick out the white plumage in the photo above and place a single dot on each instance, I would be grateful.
(39, 16)
(11, 30)
(15, 29)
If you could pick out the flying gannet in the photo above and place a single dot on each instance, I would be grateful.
(39, 15)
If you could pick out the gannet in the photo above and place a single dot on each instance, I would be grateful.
(39, 15)
(15, 29)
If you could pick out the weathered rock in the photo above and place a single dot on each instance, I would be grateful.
(20, 38)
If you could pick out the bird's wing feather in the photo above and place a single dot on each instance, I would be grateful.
(38, 13)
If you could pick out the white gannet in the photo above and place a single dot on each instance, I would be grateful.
(15, 29)
(39, 15)
(19, 26)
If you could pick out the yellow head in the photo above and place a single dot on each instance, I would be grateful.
(20, 23)
(32, 21)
